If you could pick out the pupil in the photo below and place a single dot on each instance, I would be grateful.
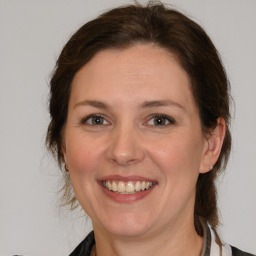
(97, 120)
(159, 121)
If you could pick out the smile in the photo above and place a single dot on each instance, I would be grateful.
(129, 187)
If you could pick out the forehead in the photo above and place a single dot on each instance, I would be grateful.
(141, 72)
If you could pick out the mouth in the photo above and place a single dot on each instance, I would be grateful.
(127, 187)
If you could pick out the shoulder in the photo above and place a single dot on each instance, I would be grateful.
(215, 245)
(237, 252)
(85, 247)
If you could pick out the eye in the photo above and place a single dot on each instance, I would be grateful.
(95, 120)
(160, 120)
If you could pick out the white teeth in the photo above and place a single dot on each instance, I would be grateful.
(120, 187)
(143, 185)
(137, 186)
(114, 186)
(108, 185)
(127, 187)
(148, 185)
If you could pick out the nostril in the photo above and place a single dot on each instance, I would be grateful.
(124, 161)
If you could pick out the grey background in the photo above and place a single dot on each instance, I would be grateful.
(32, 34)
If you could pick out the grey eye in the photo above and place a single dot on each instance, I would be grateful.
(95, 120)
(160, 120)
(98, 120)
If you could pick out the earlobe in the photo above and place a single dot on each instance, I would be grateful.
(214, 143)
(65, 158)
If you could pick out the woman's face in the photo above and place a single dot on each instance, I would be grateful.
(133, 141)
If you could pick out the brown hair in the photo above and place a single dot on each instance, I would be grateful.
(167, 28)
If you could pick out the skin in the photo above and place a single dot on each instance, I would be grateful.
(128, 142)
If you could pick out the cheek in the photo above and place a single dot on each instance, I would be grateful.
(177, 155)
(82, 154)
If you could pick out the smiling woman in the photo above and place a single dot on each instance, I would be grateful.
(140, 121)
(134, 141)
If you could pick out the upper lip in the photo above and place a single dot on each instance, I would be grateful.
(126, 178)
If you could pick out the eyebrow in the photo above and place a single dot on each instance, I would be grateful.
(146, 104)
(93, 103)
(160, 103)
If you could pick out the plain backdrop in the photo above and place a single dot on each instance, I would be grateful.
(32, 33)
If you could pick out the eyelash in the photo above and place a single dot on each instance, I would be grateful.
(85, 120)
(162, 116)
(153, 116)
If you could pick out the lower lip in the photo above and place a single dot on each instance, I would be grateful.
(127, 198)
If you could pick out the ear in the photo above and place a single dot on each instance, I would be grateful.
(64, 155)
(63, 150)
(213, 145)
(63, 144)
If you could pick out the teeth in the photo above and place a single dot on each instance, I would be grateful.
(127, 187)
(114, 186)
(120, 187)
(143, 185)
(137, 186)
(109, 186)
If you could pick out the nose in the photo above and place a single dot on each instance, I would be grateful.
(125, 146)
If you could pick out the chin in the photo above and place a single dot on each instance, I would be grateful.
(128, 230)
(127, 225)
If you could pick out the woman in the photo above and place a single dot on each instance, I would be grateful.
(140, 121)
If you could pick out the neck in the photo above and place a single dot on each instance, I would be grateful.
(178, 240)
